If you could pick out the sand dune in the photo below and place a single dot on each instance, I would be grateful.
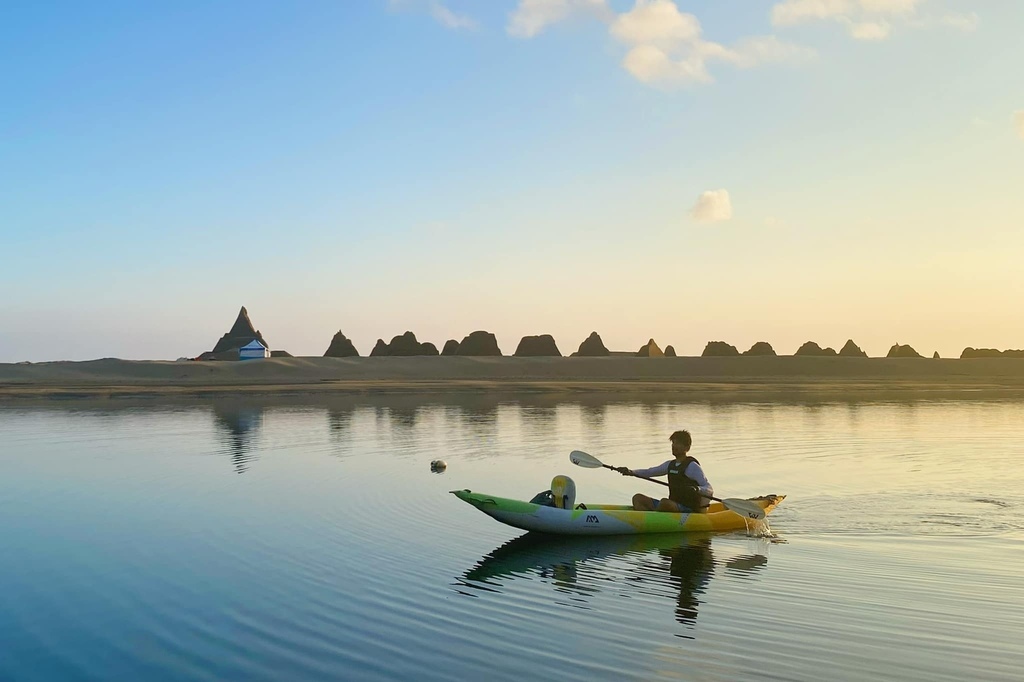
(866, 376)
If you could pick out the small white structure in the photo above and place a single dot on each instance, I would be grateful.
(253, 350)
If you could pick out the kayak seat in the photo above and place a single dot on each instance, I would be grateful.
(563, 489)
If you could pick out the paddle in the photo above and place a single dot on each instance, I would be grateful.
(741, 507)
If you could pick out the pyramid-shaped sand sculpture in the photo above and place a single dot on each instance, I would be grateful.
(341, 347)
(241, 333)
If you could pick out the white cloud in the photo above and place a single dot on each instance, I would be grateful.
(868, 19)
(962, 22)
(438, 10)
(712, 206)
(793, 12)
(870, 30)
(767, 50)
(530, 17)
(650, 64)
(450, 19)
(889, 6)
(656, 22)
(666, 47)
(1018, 120)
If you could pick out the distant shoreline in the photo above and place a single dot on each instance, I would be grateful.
(673, 378)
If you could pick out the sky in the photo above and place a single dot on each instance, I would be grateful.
(688, 171)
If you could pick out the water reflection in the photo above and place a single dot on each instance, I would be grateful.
(680, 566)
(239, 426)
(691, 565)
(339, 421)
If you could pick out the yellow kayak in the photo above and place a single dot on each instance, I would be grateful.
(608, 519)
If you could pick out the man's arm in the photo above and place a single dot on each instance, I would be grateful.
(660, 470)
(696, 473)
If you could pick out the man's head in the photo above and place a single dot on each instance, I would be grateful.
(681, 443)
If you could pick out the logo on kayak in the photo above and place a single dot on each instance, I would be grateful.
(592, 518)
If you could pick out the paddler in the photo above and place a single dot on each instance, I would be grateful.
(688, 488)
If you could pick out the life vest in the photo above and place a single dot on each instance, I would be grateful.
(682, 488)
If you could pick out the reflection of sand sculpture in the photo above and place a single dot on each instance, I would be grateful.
(239, 426)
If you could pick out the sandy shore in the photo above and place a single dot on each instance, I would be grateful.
(672, 377)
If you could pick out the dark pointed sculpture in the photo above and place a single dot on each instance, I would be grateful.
(592, 346)
(852, 350)
(242, 332)
(650, 350)
(341, 347)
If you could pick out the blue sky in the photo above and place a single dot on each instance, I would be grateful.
(738, 170)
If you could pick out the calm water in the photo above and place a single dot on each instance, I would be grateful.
(233, 541)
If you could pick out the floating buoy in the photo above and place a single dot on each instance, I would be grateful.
(438, 465)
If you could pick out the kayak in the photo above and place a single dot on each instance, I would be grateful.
(608, 519)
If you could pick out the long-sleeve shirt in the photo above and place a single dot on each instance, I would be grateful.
(692, 471)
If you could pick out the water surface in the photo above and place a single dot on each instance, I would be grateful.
(234, 540)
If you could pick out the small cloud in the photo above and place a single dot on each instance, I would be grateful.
(530, 17)
(712, 206)
(450, 19)
(980, 122)
(792, 12)
(1018, 120)
(962, 22)
(650, 64)
(868, 19)
(438, 10)
(870, 30)
(767, 50)
(773, 222)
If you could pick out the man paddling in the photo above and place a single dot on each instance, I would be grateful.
(688, 487)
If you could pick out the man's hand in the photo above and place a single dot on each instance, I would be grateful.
(624, 471)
